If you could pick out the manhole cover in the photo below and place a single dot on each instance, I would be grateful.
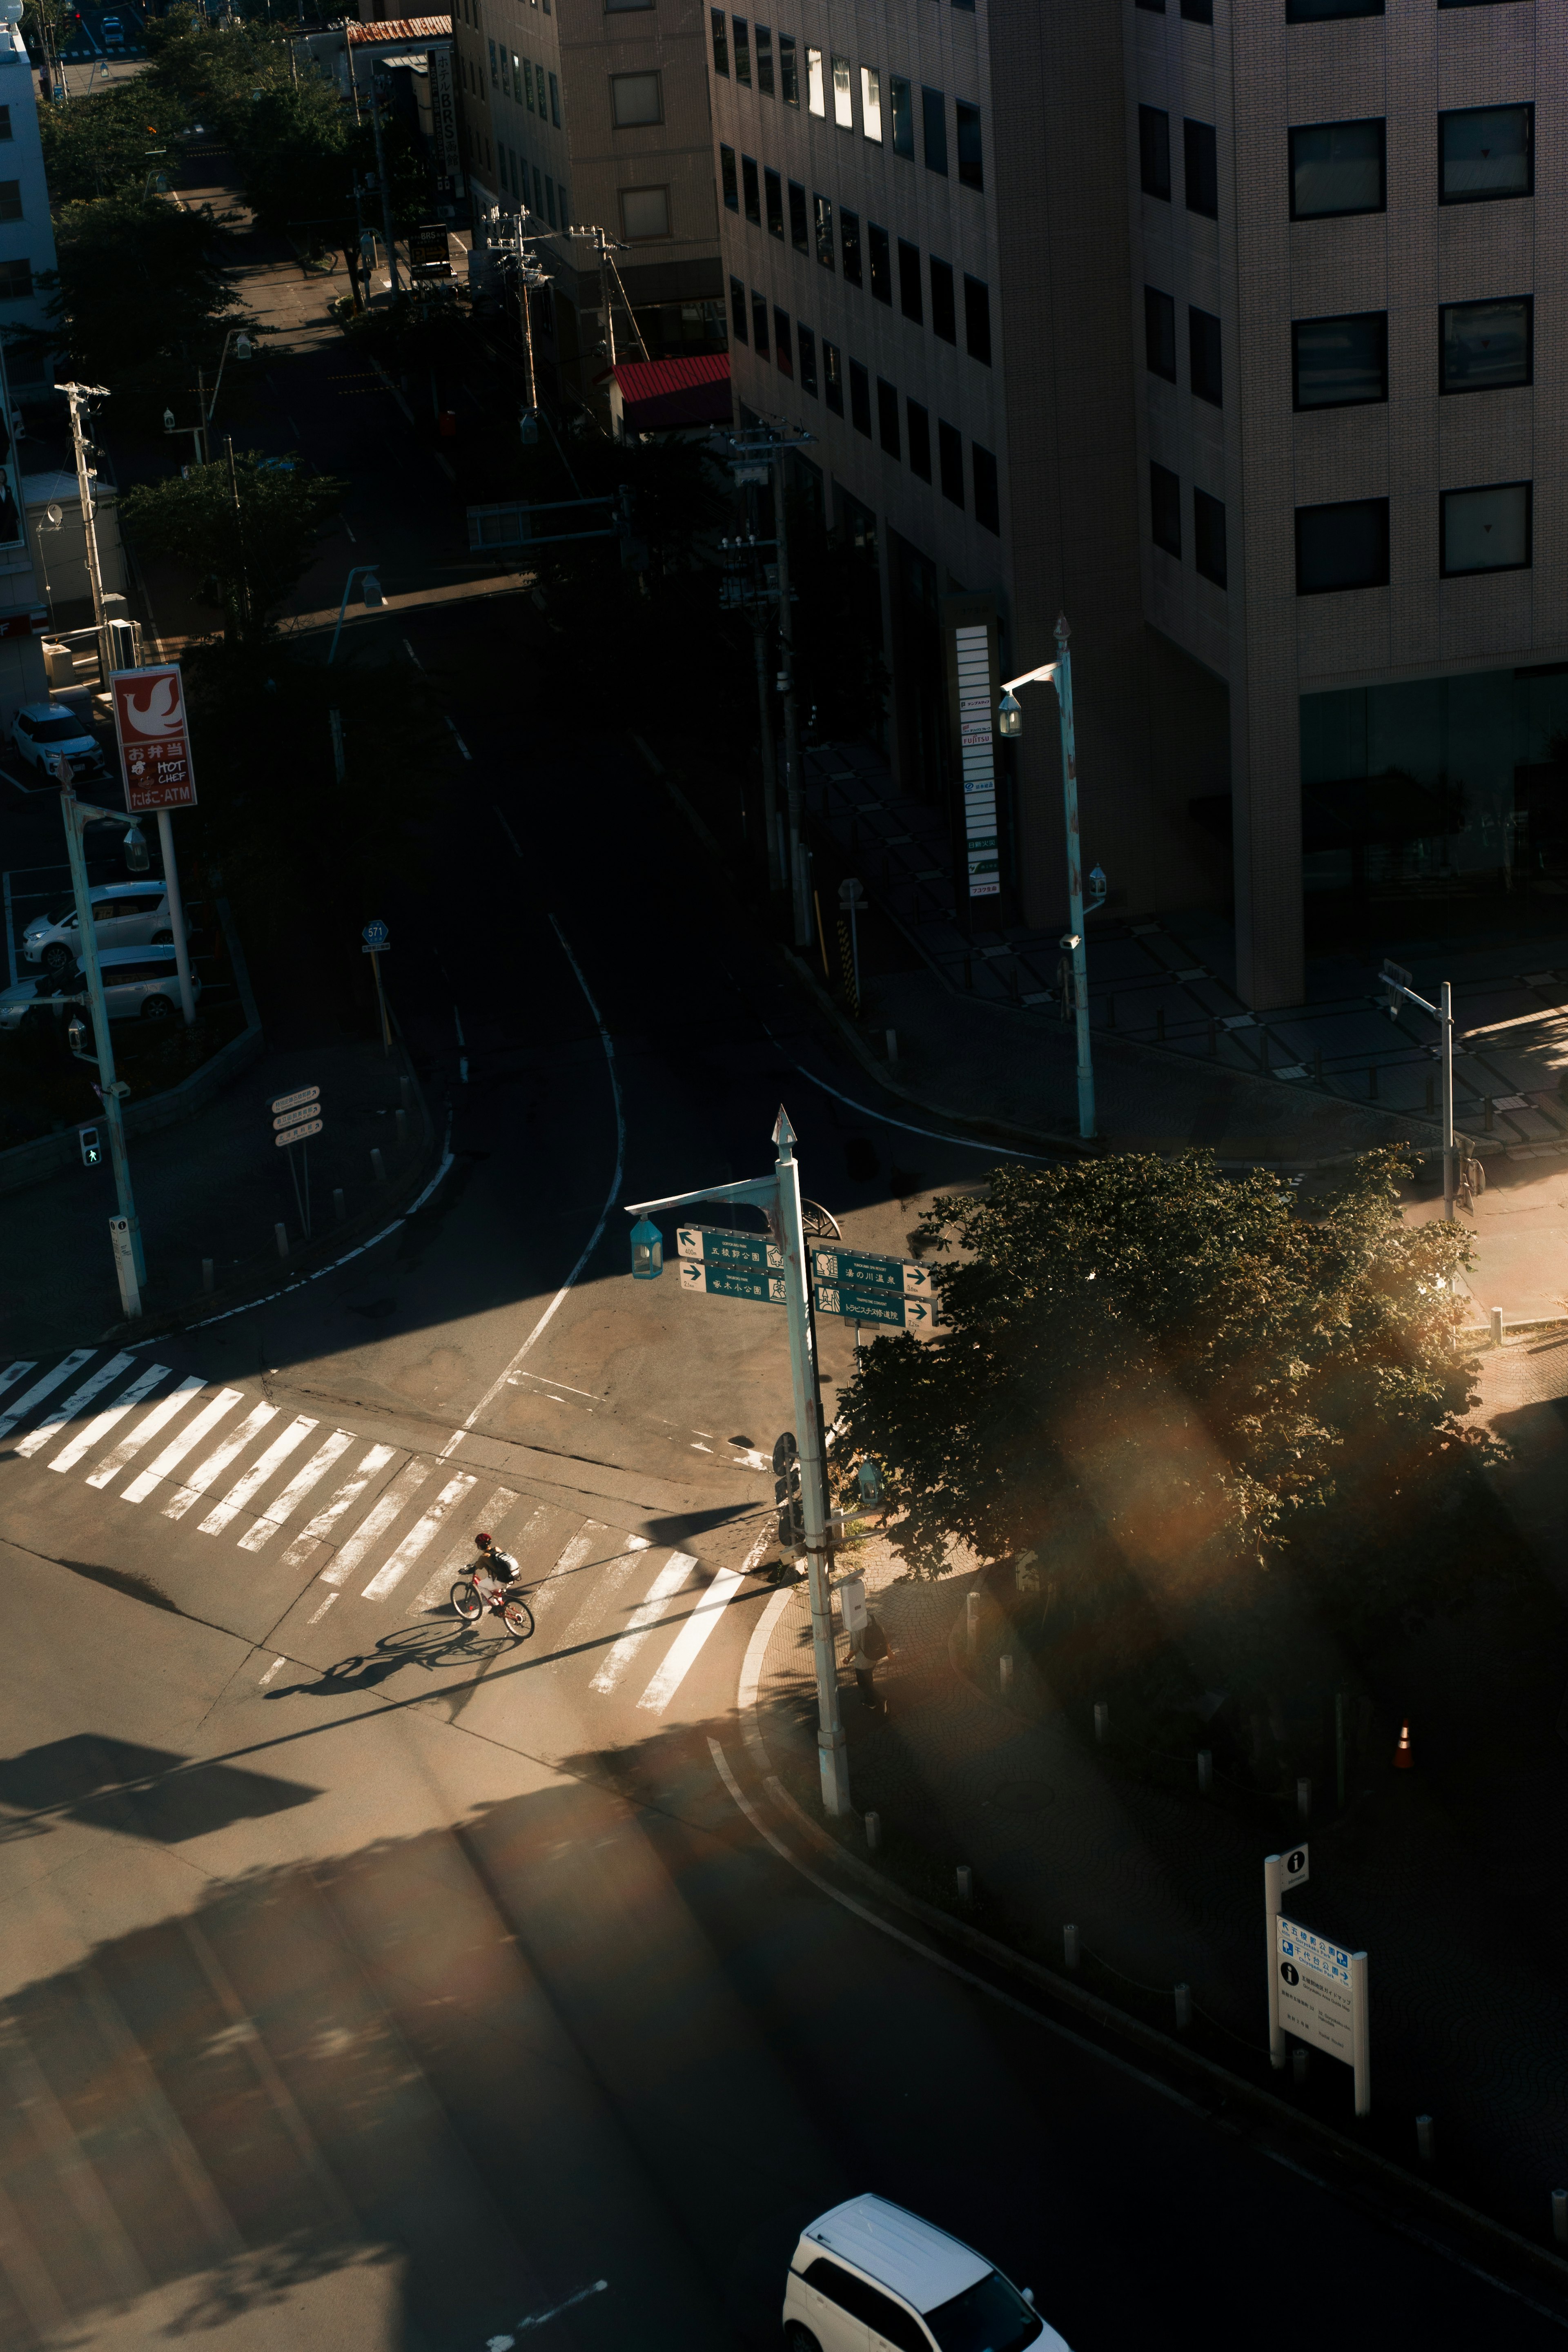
(1023, 1797)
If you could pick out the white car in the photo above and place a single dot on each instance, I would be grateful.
(114, 32)
(124, 915)
(869, 2277)
(42, 730)
(138, 984)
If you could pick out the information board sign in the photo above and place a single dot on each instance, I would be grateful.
(149, 727)
(1315, 2001)
(720, 1246)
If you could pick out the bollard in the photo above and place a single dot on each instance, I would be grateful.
(965, 1882)
(1205, 1771)
(405, 1088)
(1159, 1025)
(377, 1165)
(892, 1045)
(1298, 2061)
(1425, 2139)
(1560, 2215)
(1069, 1947)
(971, 1621)
(1404, 1761)
(1006, 1669)
(1304, 1799)
(1496, 1326)
(1184, 2007)
(340, 1209)
(401, 1127)
(281, 1235)
(206, 1274)
(873, 1832)
(1101, 1720)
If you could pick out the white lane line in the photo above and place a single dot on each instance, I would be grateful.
(343, 1501)
(175, 1453)
(209, 1472)
(601, 1593)
(564, 1292)
(255, 1477)
(272, 1670)
(543, 2318)
(22, 1405)
(284, 1505)
(643, 1620)
(459, 741)
(688, 1644)
(146, 1428)
(387, 1579)
(375, 1522)
(103, 1423)
(13, 1372)
(459, 1558)
(330, 1603)
(413, 656)
(695, 1448)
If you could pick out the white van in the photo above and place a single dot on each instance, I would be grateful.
(868, 2277)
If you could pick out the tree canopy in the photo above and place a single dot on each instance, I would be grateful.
(248, 533)
(140, 298)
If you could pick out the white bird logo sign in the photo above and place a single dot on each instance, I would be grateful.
(153, 706)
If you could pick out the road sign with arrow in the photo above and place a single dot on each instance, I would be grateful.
(875, 1307)
(731, 1281)
(720, 1246)
(863, 1270)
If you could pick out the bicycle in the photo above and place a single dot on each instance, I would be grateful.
(471, 1599)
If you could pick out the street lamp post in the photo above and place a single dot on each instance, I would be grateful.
(244, 349)
(130, 1263)
(1395, 983)
(755, 455)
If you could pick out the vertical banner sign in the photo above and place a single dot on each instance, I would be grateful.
(444, 116)
(154, 748)
(973, 691)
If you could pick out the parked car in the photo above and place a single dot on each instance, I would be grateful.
(41, 730)
(125, 915)
(114, 32)
(139, 983)
(868, 2277)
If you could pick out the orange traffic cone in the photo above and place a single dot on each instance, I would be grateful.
(1402, 1759)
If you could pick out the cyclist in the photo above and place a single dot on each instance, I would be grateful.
(492, 1561)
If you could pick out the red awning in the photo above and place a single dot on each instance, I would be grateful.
(657, 395)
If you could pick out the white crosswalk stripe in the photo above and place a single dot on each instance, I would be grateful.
(341, 1505)
(598, 1603)
(177, 1448)
(376, 1521)
(207, 1473)
(283, 1506)
(22, 1405)
(255, 1477)
(13, 1372)
(439, 1590)
(53, 1422)
(571, 1558)
(643, 1620)
(103, 1423)
(387, 1579)
(146, 1428)
(688, 1642)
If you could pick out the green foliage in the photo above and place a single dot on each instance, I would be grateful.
(107, 145)
(1167, 1384)
(139, 297)
(416, 330)
(292, 146)
(251, 533)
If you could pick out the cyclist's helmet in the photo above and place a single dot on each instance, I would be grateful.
(482, 1540)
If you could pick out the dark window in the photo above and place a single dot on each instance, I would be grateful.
(933, 126)
(1340, 362)
(1208, 537)
(773, 191)
(1486, 529)
(910, 281)
(849, 241)
(764, 60)
(832, 377)
(986, 509)
(943, 312)
(1485, 345)
(1165, 510)
(1200, 169)
(556, 102)
(949, 461)
(1336, 167)
(901, 106)
(977, 318)
(743, 52)
(837, 2285)
(878, 255)
(721, 43)
(806, 343)
(971, 164)
(753, 187)
(783, 352)
(1486, 152)
(822, 215)
(1198, 12)
(859, 399)
(789, 72)
(919, 423)
(887, 417)
(1204, 356)
(1318, 12)
(760, 323)
(1160, 334)
(1154, 7)
(1154, 151)
(889, 2320)
(738, 312)
(5, 122)
(1342, 546)
(799, 229)
(732, 184)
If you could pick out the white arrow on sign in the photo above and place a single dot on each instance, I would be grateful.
(694, 1274)
(298, 1134)
(297, 1118)
(292, 1102)
(916, 1277)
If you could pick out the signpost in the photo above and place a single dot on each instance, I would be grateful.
(377, 941)
(1317, 1991)
(719, 1245)
(731, 1281)
(155, 755)
(294, 1118)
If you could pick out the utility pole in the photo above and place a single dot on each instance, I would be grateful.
(130, 1263)
(239, 535)
(756, 455)
(77, 398)
(609, 344)
(385, 189)
(1396, 984)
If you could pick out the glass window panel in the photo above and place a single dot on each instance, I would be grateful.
(765, 59)
(738, 326)
(1336, 167)
(987, 507)
(871, 103)
(859, 399)
(1154, 151)
(1204, 357)
(843, 96)
(1318, 12)
(806, 345)
(634, 98)
(742, 50)
(934, 125)
(781, 350)
(949, 461)
(888, 419)
(1160, 334)
(1198, 12)
(822, 212)
(944, 306)
(1208, 537)
(971, 167)
(879, 257)
(751, 186)
(556, 102)
(1165, 510)
(1486, 529)
(760, 323)
(901, 105)
(832, 377)
(1342, 546)
(1340, 361)
(816, 94)
(789, 72)
(799, 230)
(645, 212)
(1487, 345)
(977, 319)
(729, 177)
(910, 281)
(773, 190)
(1200, 169)
(850, 244)
(919, 423)
(1486, 152)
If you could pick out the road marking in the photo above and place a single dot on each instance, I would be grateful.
(21, 1406)
(643, 1619)
(458, 1018)
(387, 1579)
(14, 1372)
(331, 1600)
(684, 1650)
(695, 1448)
(543, 2318)
(596, 1606)
(347, 526)
(285, 1505)
(343, 1501)
(572, 1557)
(457, 1562)
(175, 1453)
(272, 1670)
(102, 1423)
(376, 1521)
(147, 1428)
(209, 1472)
(457, 739)
(412, 656)
(255, 1477)
(551, 1381)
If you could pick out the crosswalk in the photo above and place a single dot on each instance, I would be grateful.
(371, 1523)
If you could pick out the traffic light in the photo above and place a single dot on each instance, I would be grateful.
(91, 1149)
(1395, 980)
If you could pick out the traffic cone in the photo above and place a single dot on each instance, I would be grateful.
(1402, 1759)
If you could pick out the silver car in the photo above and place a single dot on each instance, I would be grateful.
(124, 915)
(41, 730)
(139, 983)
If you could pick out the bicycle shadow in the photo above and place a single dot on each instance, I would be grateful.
(429, 1647)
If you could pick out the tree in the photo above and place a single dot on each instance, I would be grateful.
(248, 524)
(109, 145)
(140, 298)
(1171, 1385)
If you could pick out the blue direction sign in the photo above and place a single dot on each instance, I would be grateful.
(375, 936)
(875, 1306)
(730, 1281)
(903, 1277)
(718, 1245)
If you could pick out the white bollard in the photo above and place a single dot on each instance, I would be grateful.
(1425, 2139)
(1069, 1947)
(1304, 1799)
(1205, 1771)
(207, 1274)
(1560, 2215)
(378, 1165)
(1006, 1669)
(892, 1045)
(340, 1209)
(873, 1832)
(281, 1234)
(965, 1882)
(402, 1118)
(1184, 2007)
(971, 1621)
(1101, 1720)
(1496, 1326)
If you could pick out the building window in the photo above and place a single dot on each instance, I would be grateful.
(971, 164)
(1204, 356)
(789, 72)
(764, 60)
(850, 244)
(843, 100)
(612, 5)
(5, 122)
(505, 74)
(556, 102)
(872, 104)
(1198, 12)
(859, 399)
(888, 419)
(1154, 151)
(880, 257)
(949, 461)
(1160, 334)
(781, 350)
(1165, 510)
(1153, 8)
(799, 227)
(1200, 169)
(987, 510)
(1340, 362)
(1484, 152)
(634, 99)
(727, 174)
(832, 377)
(933, 129)
(773, 192)
(1486, 529)
(753, 189)
(822, 217)
(738, 312)
(1342, 546)
(977, 319)
(901, 106)
(495, 68)
(815, 92)
(645, 212)
(919, 423)
(758, 324)
(1320, 12)
(1335, 168)
(1208, 537)
(527, 83)
(910, 281)
(943, 313)
(742, 39)
(805, 342)
(1487, 345)
(538, 191)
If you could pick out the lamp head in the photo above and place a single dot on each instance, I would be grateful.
(168, 420)
(136, 858)
(1009, 717)
(1097, 881)
(371, 591)
(243, 347)
(647, 1251)
(76, 1035)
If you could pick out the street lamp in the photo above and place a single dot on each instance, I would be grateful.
(647, 1251)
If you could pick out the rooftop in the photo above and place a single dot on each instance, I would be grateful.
(924, 2265)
